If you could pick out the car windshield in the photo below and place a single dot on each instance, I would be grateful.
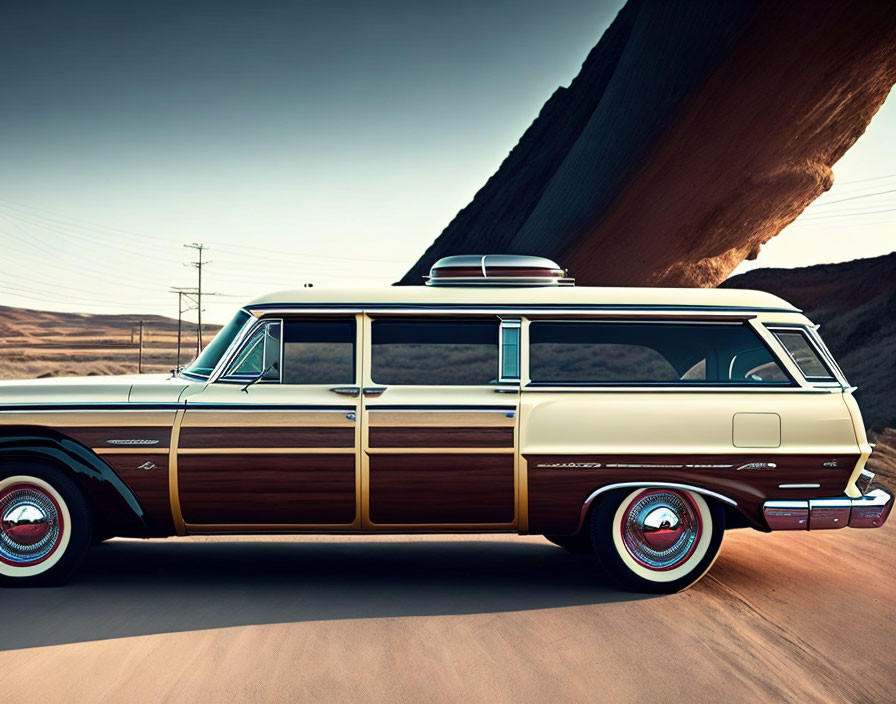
(208, 359)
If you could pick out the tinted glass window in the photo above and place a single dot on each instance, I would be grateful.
(445, 351)
(803, 354)
(261, 354)
(319, 352)
(510, 356)
(649, 353)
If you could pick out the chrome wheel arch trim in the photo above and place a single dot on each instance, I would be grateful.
(660, 485)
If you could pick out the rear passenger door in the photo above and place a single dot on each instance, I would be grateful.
(440, 407)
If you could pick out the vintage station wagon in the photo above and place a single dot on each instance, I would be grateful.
(635, 423)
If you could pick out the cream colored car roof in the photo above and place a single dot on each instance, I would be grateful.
(526, 296)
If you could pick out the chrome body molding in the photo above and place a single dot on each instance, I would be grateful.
(134, 441)
(757, 465)
(871, 510)
(651, 485)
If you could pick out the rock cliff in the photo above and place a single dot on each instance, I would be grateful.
(694, 133)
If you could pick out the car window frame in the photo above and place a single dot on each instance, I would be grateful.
(356, 342)
(815, 343)
(790, 383)
(226, 377)
(497, 320)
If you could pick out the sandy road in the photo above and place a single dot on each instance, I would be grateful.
(784, 617)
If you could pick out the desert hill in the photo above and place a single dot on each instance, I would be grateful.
(37, 343)
(855, 303)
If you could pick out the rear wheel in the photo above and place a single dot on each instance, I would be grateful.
(657, 540)
(45, 525)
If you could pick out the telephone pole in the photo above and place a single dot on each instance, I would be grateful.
(140, 354)
(190, 294)
(200, 248)
(138, 332)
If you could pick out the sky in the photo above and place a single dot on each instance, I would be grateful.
(300, 142)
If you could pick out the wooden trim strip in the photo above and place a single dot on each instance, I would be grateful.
(266, 451)
(88, 418)
(440, 419)
(423, 451)
(173, 490)
(234, 418)
(130, 451)
(277, 437)
(426, 437)
(342, 528)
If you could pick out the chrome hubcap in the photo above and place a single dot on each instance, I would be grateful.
(660, 529)
(30, 525)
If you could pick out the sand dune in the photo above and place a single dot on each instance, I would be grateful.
(781, 617)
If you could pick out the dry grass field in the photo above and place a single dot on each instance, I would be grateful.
(35, 343)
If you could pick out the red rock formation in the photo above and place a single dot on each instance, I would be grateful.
(694, 133)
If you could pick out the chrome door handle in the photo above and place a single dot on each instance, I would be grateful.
(352, 391)
(506, 390)
(374, 391)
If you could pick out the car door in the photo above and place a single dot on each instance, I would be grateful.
(440, 400)
(273, 443)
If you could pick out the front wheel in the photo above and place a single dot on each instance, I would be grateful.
(45, 526)
(657, 540)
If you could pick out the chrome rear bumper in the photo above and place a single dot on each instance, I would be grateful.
(869, 511)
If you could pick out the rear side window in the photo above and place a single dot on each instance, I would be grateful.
(434, 352)
(649, 353)
(319, 352)
(804, 355)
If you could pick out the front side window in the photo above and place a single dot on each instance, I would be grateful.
(319, 351)
(260, 356)
(803, 354)
(435, 352)
(649, 353)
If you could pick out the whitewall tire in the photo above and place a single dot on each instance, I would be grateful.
(45, 526)
(656, 539)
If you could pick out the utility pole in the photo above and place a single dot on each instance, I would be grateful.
(190, 294)
(140, 349)
(198, 264)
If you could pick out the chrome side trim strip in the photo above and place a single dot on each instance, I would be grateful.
(358, 307)
(799, 486)
(98, 406)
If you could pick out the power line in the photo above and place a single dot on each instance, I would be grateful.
(52, 221)
(864, 180)
(832, 216)
(843, 200)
